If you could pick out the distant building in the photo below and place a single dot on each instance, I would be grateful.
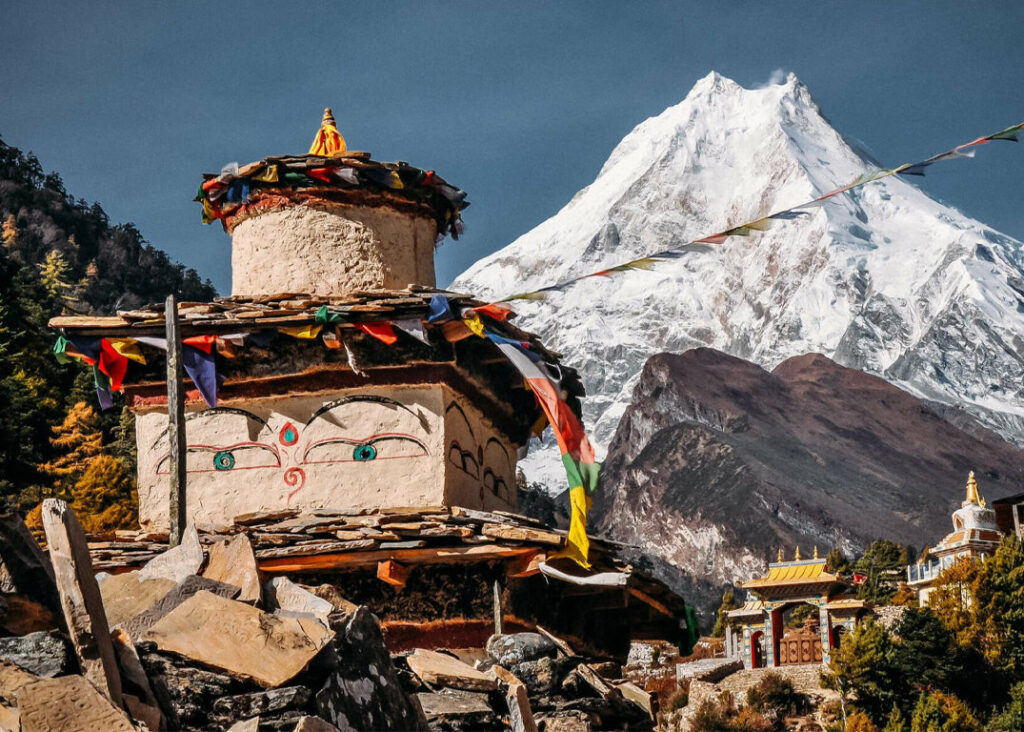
(975, 535)
(1010, 515)
(764, 639)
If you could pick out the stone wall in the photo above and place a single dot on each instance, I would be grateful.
(331, 249)
(358, 448)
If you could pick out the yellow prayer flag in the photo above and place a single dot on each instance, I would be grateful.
(127, 348)
(577, 544)
(308, 331)
(473, 322)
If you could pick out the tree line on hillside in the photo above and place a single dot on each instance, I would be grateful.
(61, 255)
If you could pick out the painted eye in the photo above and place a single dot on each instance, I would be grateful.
(362, 453)
(224, 460)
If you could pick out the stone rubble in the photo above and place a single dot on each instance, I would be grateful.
(185, 651)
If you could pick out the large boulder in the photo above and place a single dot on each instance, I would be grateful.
(363, 690)
(510, 650)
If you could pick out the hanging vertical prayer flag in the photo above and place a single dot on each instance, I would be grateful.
(578, 457)
(201, 367)
(440, 309)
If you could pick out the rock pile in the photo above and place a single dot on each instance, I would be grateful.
(194, 640)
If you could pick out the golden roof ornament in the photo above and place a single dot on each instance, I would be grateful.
(780, 554)
(796, 557)
(328, 140)
(972, 491)
(815, 552)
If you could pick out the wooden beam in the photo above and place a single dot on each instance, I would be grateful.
(560, 644)
(175, 422)
(644, 597)
(355, 561)
(393, 573)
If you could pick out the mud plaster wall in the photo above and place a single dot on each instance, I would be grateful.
(480, 462)
(356, 448)
(331, 249)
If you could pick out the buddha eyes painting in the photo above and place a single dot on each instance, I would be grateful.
(357, 430)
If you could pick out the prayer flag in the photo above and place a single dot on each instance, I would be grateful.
(306, 332)
(381, 331)
(202, 369)
(581, 466)
(127, 347)
(440, 309)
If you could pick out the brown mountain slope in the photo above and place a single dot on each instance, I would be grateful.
(717, 463)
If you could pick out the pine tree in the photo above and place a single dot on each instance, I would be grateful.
(998, 593)
(952, 601)
(78, 439)
(1011, 717)
(896, 721)
(862, 669)
(722, 619)
(939, 712)
(55, 274)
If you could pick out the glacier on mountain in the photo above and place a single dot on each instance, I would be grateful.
(882, 278)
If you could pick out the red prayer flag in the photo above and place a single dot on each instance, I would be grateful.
(113, 364)
(203, 343)
(493, 310)
(381, 331)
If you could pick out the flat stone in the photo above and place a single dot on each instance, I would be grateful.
(519, 712)
(239, 639)
(514, 648)
(259, 517)
(139, 624)
(80, 598)
(125, 596)
(10, 719)
(262, 702)
(178, 563)
(68, 704)
(454, 704)
(134, 679)
(291, 600)
(246, 725)
(439, 669)
(363, 691)
(43, 654)
(314, 724)
(186, 693)
(232, 562)
(565, 723)
(12, 678)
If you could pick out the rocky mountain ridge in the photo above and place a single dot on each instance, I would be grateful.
(718, 463)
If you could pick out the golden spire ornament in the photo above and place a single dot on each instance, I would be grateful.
(780, 554)
(328, 140)
(796, 557)
(815, 552)
(972, 490)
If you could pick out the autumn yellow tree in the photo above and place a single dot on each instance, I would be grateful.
(104, 497)
(79, 440)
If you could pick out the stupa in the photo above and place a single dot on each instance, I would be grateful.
(350, 418)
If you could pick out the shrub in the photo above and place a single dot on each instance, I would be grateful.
(774, 695)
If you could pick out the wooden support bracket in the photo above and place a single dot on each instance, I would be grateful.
(393, 573)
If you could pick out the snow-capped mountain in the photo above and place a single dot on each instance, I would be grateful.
(883, 278)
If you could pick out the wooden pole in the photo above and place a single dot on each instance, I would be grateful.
(498, 614)
(176, 421)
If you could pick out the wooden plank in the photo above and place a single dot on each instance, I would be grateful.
(393, 573)
(638, 696)
(176, 423)
(498, 614)
(354, 561)
(520, 533)
(596, 682)
(80, 598)
(560, 644)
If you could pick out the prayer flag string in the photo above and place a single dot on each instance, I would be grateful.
(647, 262)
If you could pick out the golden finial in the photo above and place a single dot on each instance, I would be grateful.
(780, 554)
(972, 490)
(815, 552)
(796, 557)
(328, 140)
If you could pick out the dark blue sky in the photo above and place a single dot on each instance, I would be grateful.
(518, 103)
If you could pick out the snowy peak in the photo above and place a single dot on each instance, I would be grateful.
(882, 278)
